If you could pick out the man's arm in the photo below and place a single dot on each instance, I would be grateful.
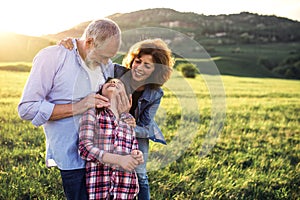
(61, 111)
(33, 104)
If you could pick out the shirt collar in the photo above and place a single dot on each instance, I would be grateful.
(75, 49)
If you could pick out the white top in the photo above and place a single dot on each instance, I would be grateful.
(96, 76)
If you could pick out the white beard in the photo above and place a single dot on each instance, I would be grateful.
(90, 63)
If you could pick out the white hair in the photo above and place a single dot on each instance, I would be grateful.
(101, 30)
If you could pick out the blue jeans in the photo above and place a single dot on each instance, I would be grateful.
(74, 184)
(144, 193)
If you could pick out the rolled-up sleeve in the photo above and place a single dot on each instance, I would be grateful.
(38, 112)
(43, 114)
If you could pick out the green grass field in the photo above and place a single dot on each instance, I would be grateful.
(255, 157)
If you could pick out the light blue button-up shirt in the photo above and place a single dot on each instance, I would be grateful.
(57, 77)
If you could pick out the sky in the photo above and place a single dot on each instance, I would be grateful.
(41, 17)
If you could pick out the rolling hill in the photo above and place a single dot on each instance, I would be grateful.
(16, 47)
(247, 44)
(215, 29)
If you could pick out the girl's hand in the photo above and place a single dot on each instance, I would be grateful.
(138, 155)
(128, 162)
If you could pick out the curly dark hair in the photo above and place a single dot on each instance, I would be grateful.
(162, 58)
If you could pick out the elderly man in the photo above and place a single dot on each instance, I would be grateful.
(61, 86)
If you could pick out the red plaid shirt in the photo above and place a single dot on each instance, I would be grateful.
(103, 133)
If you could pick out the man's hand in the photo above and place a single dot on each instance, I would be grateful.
(67, 43)
(91, 101)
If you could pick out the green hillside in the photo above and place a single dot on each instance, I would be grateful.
(246, 44)
(220, 29)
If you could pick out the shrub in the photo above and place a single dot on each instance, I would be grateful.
(188, 70)
(267, 63)
(288, 71)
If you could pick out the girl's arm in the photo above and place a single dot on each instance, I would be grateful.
(127, 162)
(87, 128)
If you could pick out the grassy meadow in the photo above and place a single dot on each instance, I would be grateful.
(256, 155)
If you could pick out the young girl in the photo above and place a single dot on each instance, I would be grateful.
(109, 146)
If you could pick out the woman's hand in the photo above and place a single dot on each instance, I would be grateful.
(124, 103)
(67, 43)
(130, 121)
